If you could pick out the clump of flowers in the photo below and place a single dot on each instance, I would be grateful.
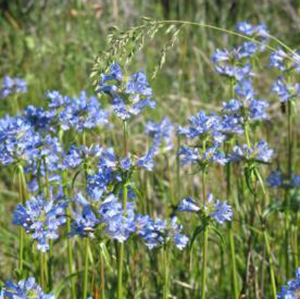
(292, 290)
(41, 218)
(277, 179)
(12, 86)
(161, 133)
(259, 153)
(24, 289)
(129, 94)
(214, 209)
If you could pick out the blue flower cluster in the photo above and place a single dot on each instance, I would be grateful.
(260, 153)
(119, 224)
(12, 86)
(129, 95)
(284, 91)
(17, 140)
(216, 210)
(292, 290)
(161, 133)
(24, 289)
(277, 179)
(41, 218)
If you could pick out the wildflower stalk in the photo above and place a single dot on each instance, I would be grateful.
(102, 276)
(124, 202)
(70, 251)
(262, 221)
(86, 268)
(166, 287)
(287, 195)
(230, 233)
(205, 237)
(22, 198)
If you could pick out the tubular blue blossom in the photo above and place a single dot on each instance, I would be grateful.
(292, 289)
(212, 154)
(259, 31)
(285, 92)
(120, 224)
(275, 179)
(128, 98)
(188, 205)
(203, 126)
(85, 221)
(159, 232)
(12, 86)
(278, 59)
(160, 133)
(41, 218)
(261, 153)
(219, 211)
(17, 140)
(24, 289)
(216, 210)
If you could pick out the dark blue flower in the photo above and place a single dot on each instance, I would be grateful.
(188, 205)
(24, 289)
(291, 291)
(12, 86)
(41, 218)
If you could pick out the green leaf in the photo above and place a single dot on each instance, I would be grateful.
(196, 233)
(220, 235)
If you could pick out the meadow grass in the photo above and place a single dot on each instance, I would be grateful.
(69, 47)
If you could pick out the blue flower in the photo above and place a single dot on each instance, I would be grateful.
(41, 218)
(120, 223)
(291, 291)
(188, 205)
(261, 153)
(128, 98)
(275, 179)
(285, 92)
(85, 221)
(12, 86)
(17, 140)
(219, 211)
(24, 289)
(203, 126)
(160, 133)
(147, 160)
(277, 59)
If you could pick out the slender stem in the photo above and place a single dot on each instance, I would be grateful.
(22, 199)
(102, 276)
(125, 143)
(86, 268)
(166, 286)
(272, 276)
(70, 247)
(121, 251)
(230, 232)
(42, 270)
(124, 203)
(120, 271)
(204, 263)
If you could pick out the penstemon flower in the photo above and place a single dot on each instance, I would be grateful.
(260, 153)
(41, 219)
(24, 289)
(214, 209)
(12, 86)
(292, 290)
(129, 95)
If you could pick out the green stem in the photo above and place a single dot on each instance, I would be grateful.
(272, 276)
(70, 247)
(204, 263)
(22, 199)
(86, 268)
(121, 251)
(120, 271)
(166, 286)
(230, 232)
(102, 276)
(125, 143)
